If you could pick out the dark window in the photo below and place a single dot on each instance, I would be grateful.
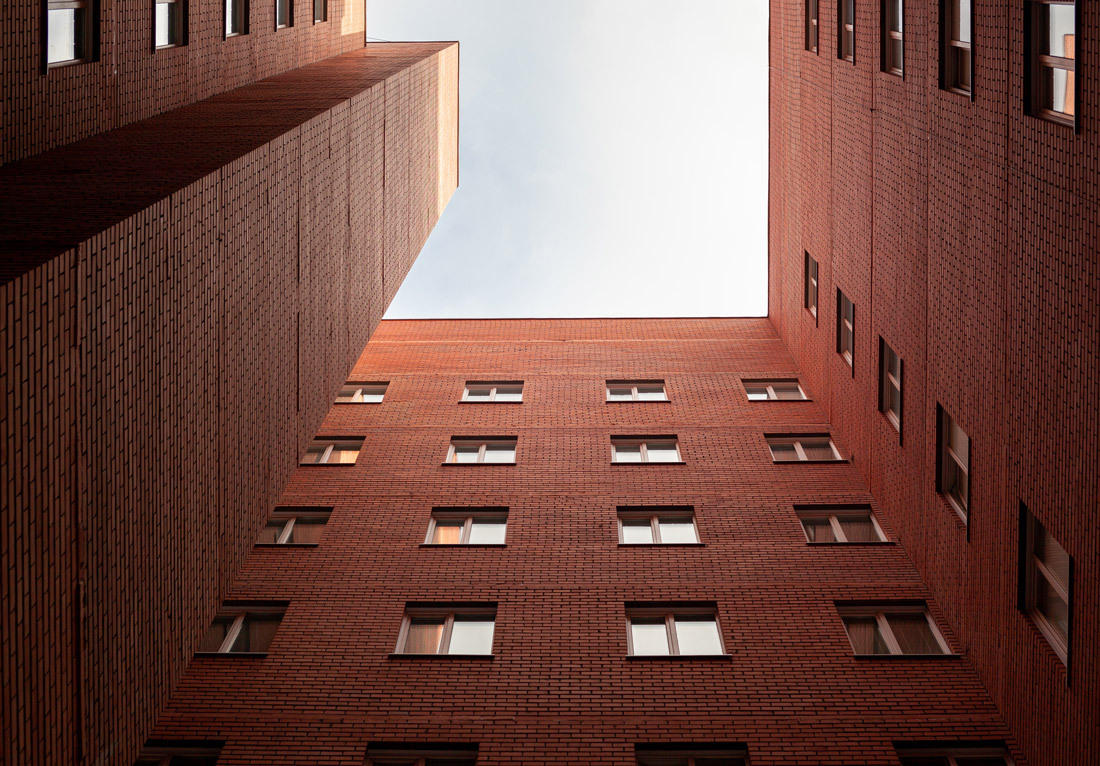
(419, 754)
(892, 628)
(284, 13)
(846, 30)
(889, 397)
(690, 754)
(893, 53)
(811, 25)
(294, 526)
(320, 10)
(243, 629)
(984, 754)
(156, 753)
(1046, 587)
(169, 23)
(810, 292)
(955, 58)
(846, 329)
(71, 31)
(954, 464)
(1052, 60)
(236, 17)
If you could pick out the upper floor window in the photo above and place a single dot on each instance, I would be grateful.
(243, 628)
(651, 449)
(845, 328)
(955, 60)
(893, 55)
(320, 10)
(659, 630)
(889, 397)
(948, 755)
(954, 464)
(467, 526)
(294, 526)
(782, 389)
(840, 525)
(804, 448)
(1046, 582)
(353, 392)
(236, 17)
(810, 291)
(170, 21)
(899, 628)
(418, 754)
(336, 450)
(811, 25)
(482, 450)
(447, 629)
(657, 526)
(501, 391)
(71, 27)
(694, 754)
(636, 391)
(846, 30)
(156, 753)
(284, 13)
(1052, 61)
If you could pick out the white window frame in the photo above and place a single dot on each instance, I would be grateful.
(643, 443)
(669, 614)
(880, 613)
(796, 441)
(961, 506)
(290, 517)
(482, 445)
(654, 515)
(1034, 568)
(633, 386)
(361, 389)
(330, 445)
(953, 753)
(886, 380)
(468, 516)
(492, 386)
(834, 515)
(240, 614)
(769, 385)
(448, 614)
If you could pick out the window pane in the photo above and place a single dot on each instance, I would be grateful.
(306, 531)
(698, 635)
(719, 761)
(500, 453)
(271, 531)
(959, 443)
(818, 450)
(1059, 96)
(466, 454)
(628, 453)
(1061, 28)
(757, 393)
(214, 637)
(471, 636)
(858, 530)
(424, 636)
(230, 13)
(1052, 606)
(194, 760)
(510, 394)
(314, 453)
(65, 32)
(478, 394)
(487, 532)
(649, 636)
(447, 532)
(372, 397)
(1052, 554)
(676, 531)
(343, 453)
(783, 451)
(618, 394)
(662, 452)
(256, 633)
(283, 14)
(651, 393)
(913, 634)
(819, 530)
(637, 531)
(787, 391)
(865, 636)
(960, 20)
(956, 482)
(161, 15)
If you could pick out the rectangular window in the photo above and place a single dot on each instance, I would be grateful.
(650, 449)
(636, 391)
(692, 754)
(467, 526)
(811, 25)
(236, 17)
(657, 526)
(472, 450)
(778, 389)
(802, 448)
(955, 60)
(419, 754)
(811, 285)
(320, 10)
(170, 19)
(294, 526)
(846, 30)
(284, 15)
(893, 54)
(489, 391)
(354, 392)
(1052, 61)
(332, 451)
(899, 628)
(1046, 583)
(889, 394)
(673, 630)
(447, 629)
(954, 464)
(156, 753)
(243, 629)
(71, 31)
(992, 754)
(846, 329)
(840, 524)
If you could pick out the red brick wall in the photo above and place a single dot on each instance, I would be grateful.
(559, 687)
(161, 379)
(965, 232)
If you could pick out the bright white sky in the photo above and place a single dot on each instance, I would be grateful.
(613, 158)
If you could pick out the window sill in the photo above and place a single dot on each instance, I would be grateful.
(809, 462)
(285, 545)
(637, 401)
(247, 655)
(167, 47)
(951, 656)
(70, 62)
(355, 403)
(668, 462)
(1057, 118)
(779, 401)
(404, 656)
(1046, 635)
(471, 465)
(463, 545)
(464, 401)
(325, 465)
(662, 545)
(680, 657)
(957, 513)
(859, 542)
(956, 91)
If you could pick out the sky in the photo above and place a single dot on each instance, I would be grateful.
(613, 158)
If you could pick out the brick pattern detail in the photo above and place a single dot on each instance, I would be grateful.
(965, 233)
(162, 377)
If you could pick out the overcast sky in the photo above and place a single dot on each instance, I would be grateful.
(613, 158)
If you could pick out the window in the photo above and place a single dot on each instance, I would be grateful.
(673, 630)
(71, 31)
(893, 54)
(498, 449)
(636, 391)
(892, 629)
(332, 451)
(701, 754)
(1046, 583)
(236, 17)
(502, 391)
(811, 25)
(157, 753)
(955, 60)
(1052, 59)
(762, 390)
(840, 525)
(294, 526)
(657, 526)
(804, 448)
(954, 464)
(243, 629)
(170, 18)
(650, 449)
(991, 754)
(889, 395)
(284, 16)
(320, 10)
(845, 329)
(846, 30)
(446, 629)
(811, 285)
(418, 754)
(361, 393)
(467, 526)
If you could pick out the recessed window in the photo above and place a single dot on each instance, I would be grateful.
(1052, 59)
(294, 526)
(501, 391)
(778, 389)
(657, 526)
(320, 10)
(846, 30)
(467, 526)
(955, 62)
(334, 451)
(243, 629)
(236, 17)
(892, 629)
(419, 754)
(954, 464)
(673, 630)
(846, 329)
(892, 37)
(170, 20)
(636, 391)
(657, 449)
(354, 392)
(1046, 582)
(840, 525)
(475, 450)
(70, 31)
(443, 629)
(811, 25)
(691, 754)
(284, 13)
(889, 396)
(947, 755)
(810, 285)
(808, 448)
(156, 753)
